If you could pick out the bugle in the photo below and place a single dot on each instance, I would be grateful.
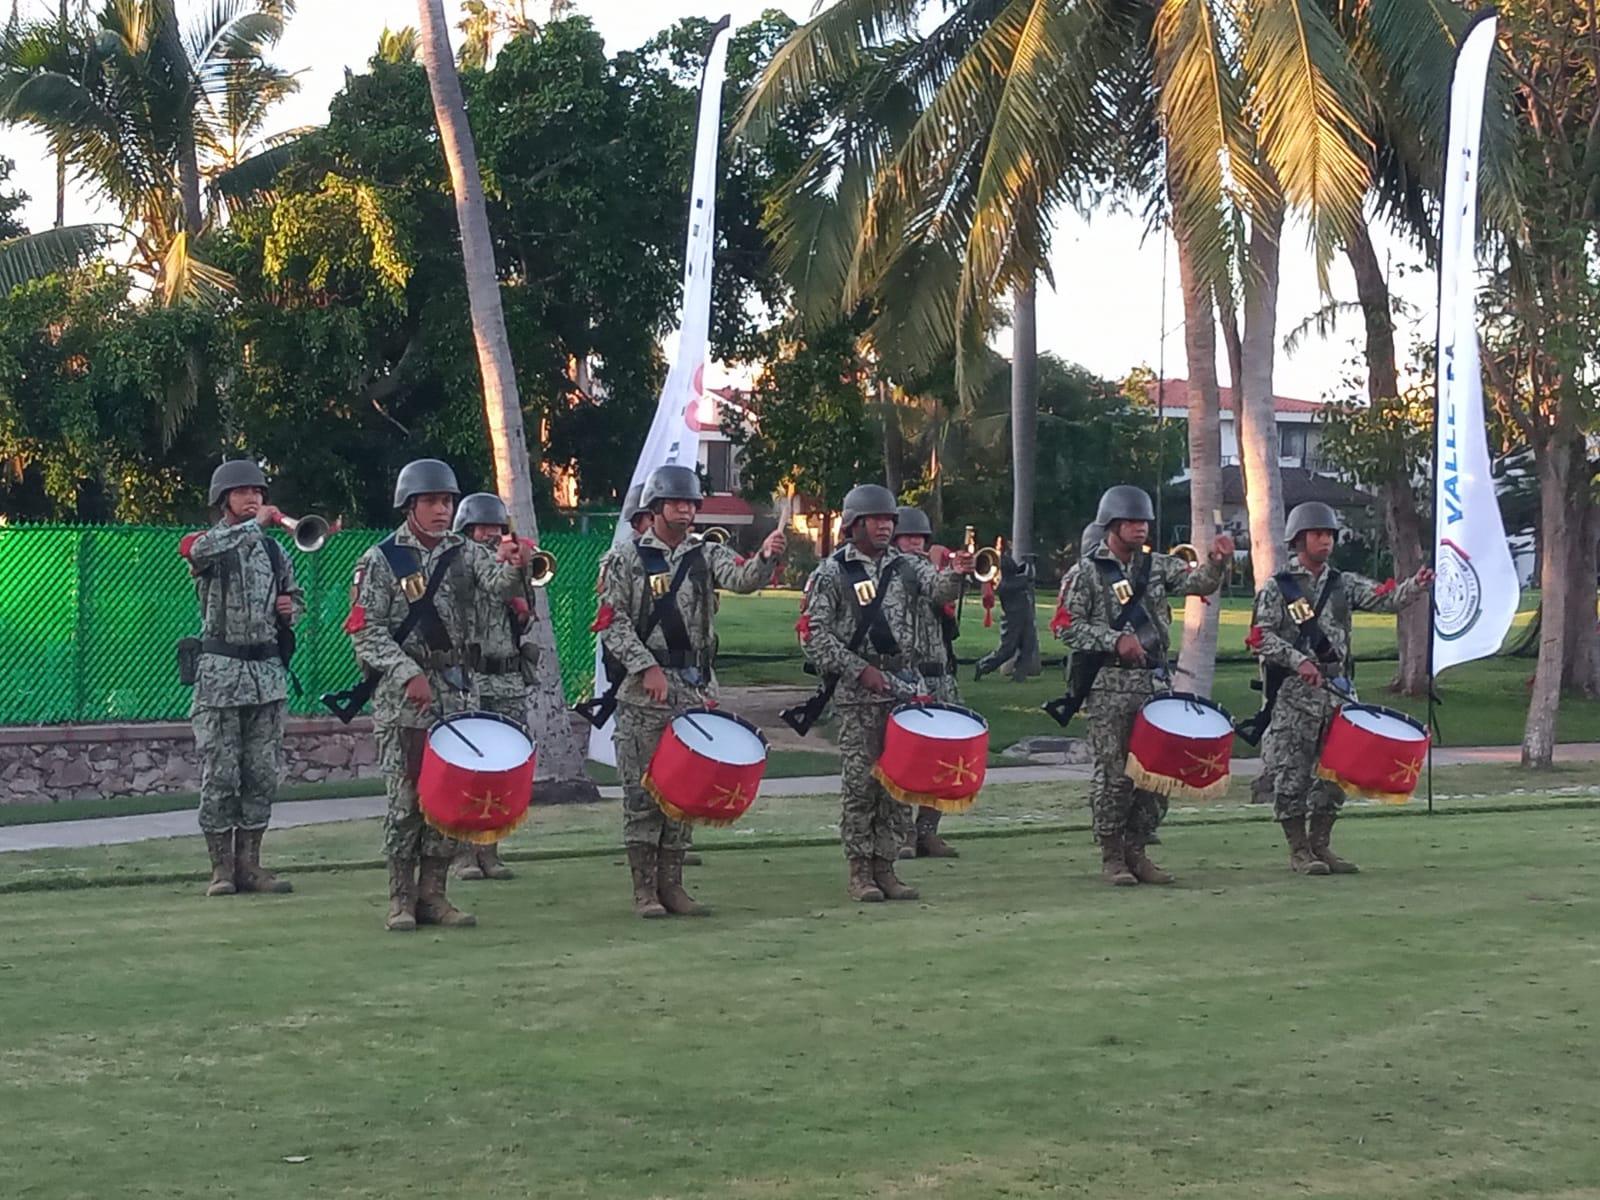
(716, 535)
(310, 532)
(985, 562)
(541, 563)
(1187, 552)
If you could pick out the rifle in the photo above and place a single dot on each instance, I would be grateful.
(597, 710)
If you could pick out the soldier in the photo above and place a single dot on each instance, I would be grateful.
(1116, 609)
(245, 584)
(424, 564)
(936, 663)
(656, 618)
(503, 659)
(1019, 634)
(869, 579)
(1300, 634)
(635, 513)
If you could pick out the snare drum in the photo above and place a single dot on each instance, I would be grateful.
(1180, 746)
(707, 767)
(476, 780)
(1374, 752)
(934, 756)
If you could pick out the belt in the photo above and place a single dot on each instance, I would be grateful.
(932, 670)
(678, 660)
(491, 664)
(255, 652)
(440, 660)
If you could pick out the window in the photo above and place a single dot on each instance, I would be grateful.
(1292, 442)
(719, 466)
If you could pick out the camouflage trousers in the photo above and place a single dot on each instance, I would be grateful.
(405, 833)
(1119, 808)
(1289, 752)
(638, 729)
(872, 823)
(240, 749)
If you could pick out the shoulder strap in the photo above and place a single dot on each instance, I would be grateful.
(1129, 593)
(869, 594)
(419, 608)
(663, 610)
(1306, 618)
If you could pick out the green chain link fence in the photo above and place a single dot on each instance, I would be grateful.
(90, 615)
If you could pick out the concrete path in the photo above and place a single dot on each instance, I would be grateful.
(289, 814)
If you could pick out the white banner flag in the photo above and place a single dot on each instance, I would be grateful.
(1476, 591)
(674, 436)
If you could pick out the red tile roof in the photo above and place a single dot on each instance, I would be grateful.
(725, 506)
(1175, 394)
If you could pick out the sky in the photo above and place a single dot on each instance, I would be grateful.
(1106, 308)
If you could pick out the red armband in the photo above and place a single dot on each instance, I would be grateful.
(603, 619)
(1061, 622)
(357, 620)
(185, 546)
(519, 607)
(803, 627)
(739, 560)
(1384, 588)
(1252, 640)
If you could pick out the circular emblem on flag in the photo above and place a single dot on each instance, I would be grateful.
(1458, 597)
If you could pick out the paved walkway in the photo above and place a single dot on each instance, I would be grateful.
(289, 814)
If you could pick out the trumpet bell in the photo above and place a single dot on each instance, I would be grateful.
(541, 568)
(986, 565)
(310, 532)
(717, 536)
(1187, 552)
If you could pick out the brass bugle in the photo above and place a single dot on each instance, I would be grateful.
(541, 567)
(1187, 552)
(985, 562)
(310, 532)
(717, 536)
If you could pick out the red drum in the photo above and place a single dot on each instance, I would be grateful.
(1181, 745)
(477, 777)
(934, 755)
(1374, 752)
(707, 767)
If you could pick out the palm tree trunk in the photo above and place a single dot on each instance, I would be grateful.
(1258, 428)
(1024, 443)
(894, 443)
(189, 185)
(61, 157)
(1555, 471)
(1200, 617)
(1582, 672)
(560, 751)
(1401, 515)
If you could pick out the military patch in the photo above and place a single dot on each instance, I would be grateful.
(1122, 589)
(866, 592)
(414, 585)
(660, 585)
(1300, 611)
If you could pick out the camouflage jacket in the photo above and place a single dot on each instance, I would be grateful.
(829, 620)
(1273, 631)
(235, 583)
(498, 654)
(1090, 608)
(379, 605)
(626, 599)
(931, 648)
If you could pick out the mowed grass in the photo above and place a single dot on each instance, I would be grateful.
(1425, 1029)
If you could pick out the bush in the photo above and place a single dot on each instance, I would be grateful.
(800, 560)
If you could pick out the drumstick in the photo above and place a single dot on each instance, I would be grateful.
(451, 727)
(698, 728)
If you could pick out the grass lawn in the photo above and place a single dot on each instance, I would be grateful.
(1425, 1029)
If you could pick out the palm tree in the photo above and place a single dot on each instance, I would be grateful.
(31, 256)
(560, 755)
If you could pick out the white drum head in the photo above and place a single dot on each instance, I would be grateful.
(945, 724)
(1185, 718)
(724, 739)
(1370, 720)
(504, 747)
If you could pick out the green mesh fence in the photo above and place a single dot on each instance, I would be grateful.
(89, 616)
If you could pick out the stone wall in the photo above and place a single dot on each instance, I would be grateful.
(45, 763)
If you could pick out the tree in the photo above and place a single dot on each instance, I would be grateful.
(549, 722)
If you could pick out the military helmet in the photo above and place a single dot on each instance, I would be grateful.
(423, 476)
(671, 482)
(481, 508)
(866, 500)
(1313, 514)
(241, 472)
(631, 508)
(913, 521)
(1093, 534)
(1124, 502)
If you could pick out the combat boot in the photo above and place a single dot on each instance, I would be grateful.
(888, 883)
(220, 847)
(1301, 860)
(402, 916)
(1143, 868)
(1321, 832)
(1114, 863)
(862, 887)
(642, 862)
(929, 843)
(489, 862)
(691, 858)
(669, 887)
(433, 907)
(466, 865)
(248, 873)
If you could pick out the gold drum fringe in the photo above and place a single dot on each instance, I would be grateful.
(1352, 789)
(479, 837)
(919, 800)
(668, 808)
(1166, 785)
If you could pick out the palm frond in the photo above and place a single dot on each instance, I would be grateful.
(253, 180)
(185, 277)
(35, 255)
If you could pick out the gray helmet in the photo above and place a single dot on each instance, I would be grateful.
(912, 521)
(422, 476)
(1124, 502)
(631, 508)
(1093, 534)
(1313, 514)
(481, 508)
(671, 482)
(866, 500)
(241, 472)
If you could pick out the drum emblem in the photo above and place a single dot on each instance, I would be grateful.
(1210, 762)
(731, 797)
(1458, 596)
(1406, 771)
(490, 804)
(957, 772)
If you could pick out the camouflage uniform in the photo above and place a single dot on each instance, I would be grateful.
(1302, 713)
(625, 601)
(239, 704)
(1121, 810)
(871, 824)
(379, 607)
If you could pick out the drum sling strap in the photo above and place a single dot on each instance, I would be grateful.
(1132, 616)
(1310, 637)
(420, 611)
(663, 611)
(869, 613)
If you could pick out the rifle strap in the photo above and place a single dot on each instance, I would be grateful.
(869, 594)
(419, 591)
(663, 609)
(1306, 618)
(1129, 593)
